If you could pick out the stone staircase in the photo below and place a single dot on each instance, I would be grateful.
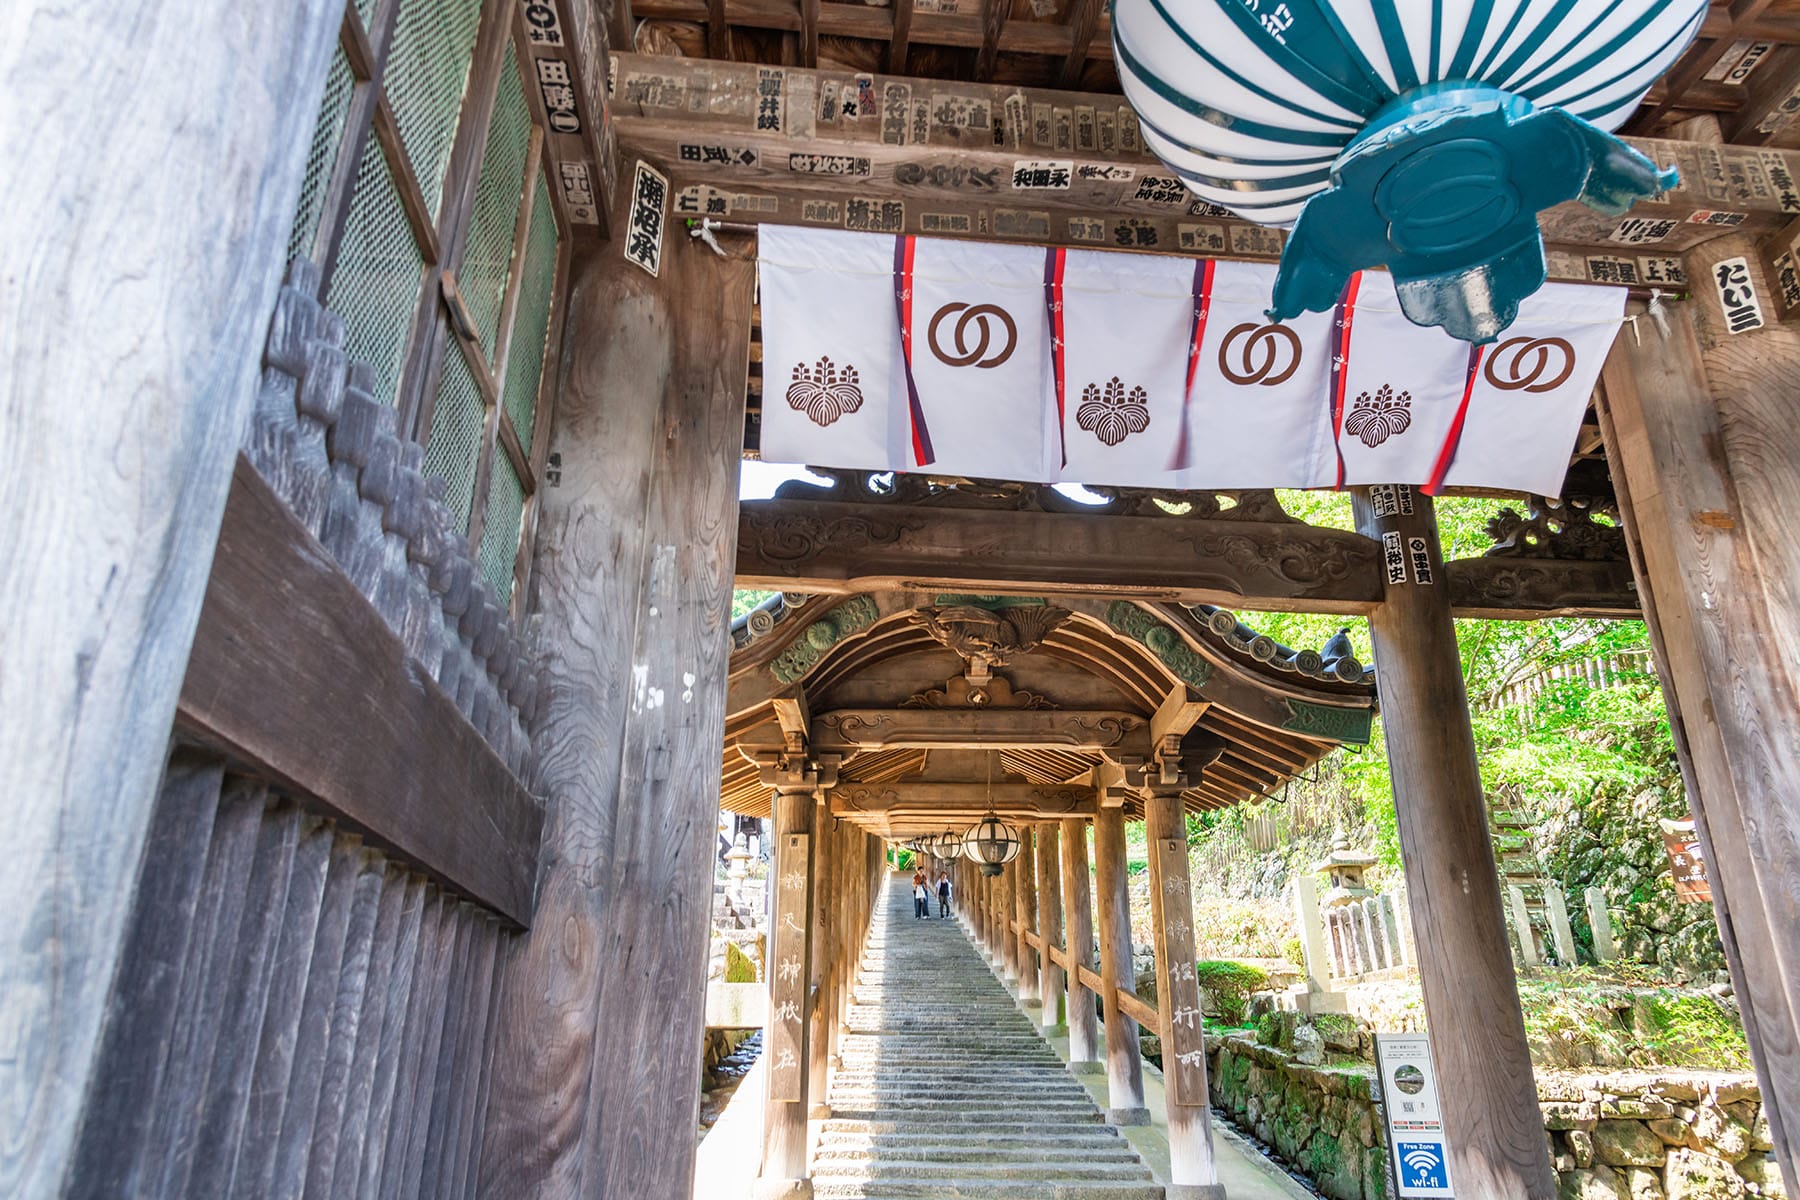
(947, 1091)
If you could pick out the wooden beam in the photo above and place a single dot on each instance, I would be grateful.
(1506, 589)
(1700, 58)
(140, 302)
(993, 22)
(1082, 23)
(851, 729)
(1759, 118)
(1491, 1118)
(835, 547)
(878, 24)
(855, 170)
(900, 42)
(420, 781)
(927, 799)
(809, 32)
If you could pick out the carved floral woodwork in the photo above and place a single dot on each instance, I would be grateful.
(992, 635)
(1559, 529)
(962, 692)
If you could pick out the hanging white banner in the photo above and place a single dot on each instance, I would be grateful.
(1015, 362)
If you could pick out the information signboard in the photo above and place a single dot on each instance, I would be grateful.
(1415, 1130)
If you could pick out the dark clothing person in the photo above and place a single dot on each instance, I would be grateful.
(943, 891)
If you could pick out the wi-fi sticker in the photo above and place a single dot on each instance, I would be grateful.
(1424, 1163)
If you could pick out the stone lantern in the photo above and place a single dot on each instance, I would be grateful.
(1343, 870)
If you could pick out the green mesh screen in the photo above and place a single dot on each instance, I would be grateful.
(531, 322)
(327, 136)
(500, 536)
(456, 432)
(498, 193)
(426, 72)
(375, 284)
(366, 10)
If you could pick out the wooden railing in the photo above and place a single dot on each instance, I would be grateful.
(1130, 1003)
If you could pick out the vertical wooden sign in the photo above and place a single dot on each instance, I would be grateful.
(788, 973)
(1184, 1042)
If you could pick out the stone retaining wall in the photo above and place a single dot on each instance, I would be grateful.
(1664, 1135)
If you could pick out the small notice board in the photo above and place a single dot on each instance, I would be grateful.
(1415, 1130)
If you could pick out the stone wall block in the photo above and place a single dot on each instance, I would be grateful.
(1721, 1133)
(1643, 1183)
(1627, 1144)
(1591, 1183)
(1691, 1175)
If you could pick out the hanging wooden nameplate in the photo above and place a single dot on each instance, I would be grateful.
(788, 974)
(1183, 1040)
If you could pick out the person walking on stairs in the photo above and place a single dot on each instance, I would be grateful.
(921, 898)
(943, 891)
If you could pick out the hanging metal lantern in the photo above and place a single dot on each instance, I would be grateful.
(1420, 137)
(946, 845)
(991, 844)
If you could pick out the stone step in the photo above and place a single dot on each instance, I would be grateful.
(986, 1189)
(1036, 1150)
(894, 1170)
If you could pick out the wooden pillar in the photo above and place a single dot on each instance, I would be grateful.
(1025, 913)
(1490, 1107)
(1193, 1175)
(1705, 458)
(1050, 926)
(1124, 1057)
(786, 1037)
(823, 1008)
(1006, 912)
(601, 1015)
(133, 312)
(1078, 909)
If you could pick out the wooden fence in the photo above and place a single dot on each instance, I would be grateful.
(344, 846)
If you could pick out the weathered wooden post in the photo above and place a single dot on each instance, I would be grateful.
(141, 303)
(1050, 926)
(787, 1036)
(1124, 1057)
(632, 592)
(1193, 1175)
(823, 978)
(1025, 913)
(1697, 412)
(1078, 906)
(1006, 912)
(1490, 1108)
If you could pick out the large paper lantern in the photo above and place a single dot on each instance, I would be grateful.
(1424, 137)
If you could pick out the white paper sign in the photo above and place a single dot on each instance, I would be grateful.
(1415, 1130)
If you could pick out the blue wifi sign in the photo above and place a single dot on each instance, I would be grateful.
(1422, 1165)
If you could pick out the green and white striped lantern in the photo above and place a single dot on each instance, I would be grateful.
(1423, 135)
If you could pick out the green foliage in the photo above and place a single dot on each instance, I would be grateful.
(738, 967)
(743, 602)
(1240, 928)
(1577, 1018)
(1268, 1029)
(903, 858)
(1230, 984)
(1293, 951)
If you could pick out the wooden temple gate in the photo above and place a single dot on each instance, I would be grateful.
(361, 825)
